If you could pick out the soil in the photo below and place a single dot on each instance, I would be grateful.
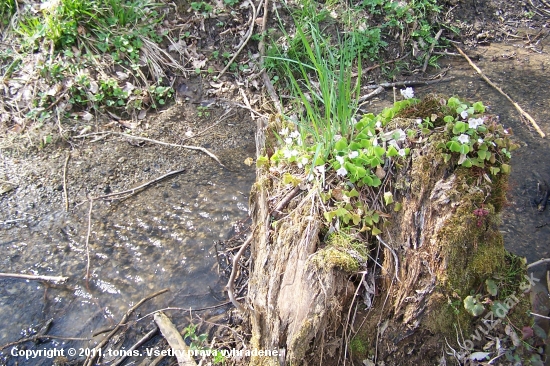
(508, 40)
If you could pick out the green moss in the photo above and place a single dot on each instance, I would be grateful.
(359, 347)
(342, 252)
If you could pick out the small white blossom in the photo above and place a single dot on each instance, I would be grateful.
(295, 134)
(354, 121)
(475, 122)
(340, 159)
(374, 142)
(407, 93)
(294, 153)
(337, 138)
(303, 161)
(353, 154)
(378, 124)
(463, 138)
(286, 153)
(464, 114)
(288, 140)
(320, 168)
(480, 141)
(419, 121)
(402, 152)
(284, 131)
(342, 172)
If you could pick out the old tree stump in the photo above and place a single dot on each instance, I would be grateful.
(394, 276)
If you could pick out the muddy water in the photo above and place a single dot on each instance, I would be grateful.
(523, 74)
(162, 237)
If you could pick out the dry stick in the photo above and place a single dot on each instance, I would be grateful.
(246, 38)
(221, 119)
(364, 98)
(520, 110)
(429, 54)
(153, 141)
(33, 277)
(144, 339)
(144, 185)
(394, 257)
(65, 194)
(95, 352)
(174, 339)
(542, 261)
(89, 232)
(230, 284)
(409, 83)
(267, 82)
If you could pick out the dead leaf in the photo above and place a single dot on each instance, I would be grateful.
(380, 172)
(142, 114)
(122, 75)
(249, 161)
(94, 87)
(87, 116)
(128, 124)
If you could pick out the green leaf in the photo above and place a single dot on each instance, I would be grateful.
(398, 206)
(464, 149)
(448, 119)
(262, 161)
(453, 102)
(479, 107)
(352, 193)
(473, 306)
(460, 127)
(379, 151)
(492, 287)
(392, 151)
(454, 146)
(341, 145)
(494, 170)
(290, 179)
(376, 231)
(467, 163)
(481, 154)
(505, 168)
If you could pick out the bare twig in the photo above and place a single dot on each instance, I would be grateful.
(65, 194)
(140, 187)
(540, 316)
(246, 38)
(542, 261)
(364, 98)
(88, 233)
(520, 110)
(154, 142)
(90, 361)
(174, 339)
(409, 83)
(396, 260)
(144, 339)
(34, 277)
(429, 54)
(230, 284)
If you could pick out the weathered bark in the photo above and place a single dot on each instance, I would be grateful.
(436, 237)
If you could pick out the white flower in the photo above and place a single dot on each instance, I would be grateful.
(303, 161)
(480, 141)
(407, 93)
(284, 131)
(342, 171)
(378, 124)
(320, 168)
(288, 140)
(464, 114)
(286, 153)
(374, 142)
(294, 153)
(337, 138)
(353, 154)
(463, 138)
(354, 121)
(401, 152)
(340, 159)
(475, 122)
(295, 134)
(419, 121)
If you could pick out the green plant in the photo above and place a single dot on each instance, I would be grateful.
(231, 2)
(202, 7)
(198, 342)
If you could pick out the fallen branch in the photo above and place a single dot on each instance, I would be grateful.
(246, 38)
(132, 191)
(230, 287)
(144, 339)
(409, 83)
(35, 278)
(364, 98)
(520, 110)
(154, 142)
(542, 261)
(429, 54)
(174, 339)
(65, 194)
(90, 361)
